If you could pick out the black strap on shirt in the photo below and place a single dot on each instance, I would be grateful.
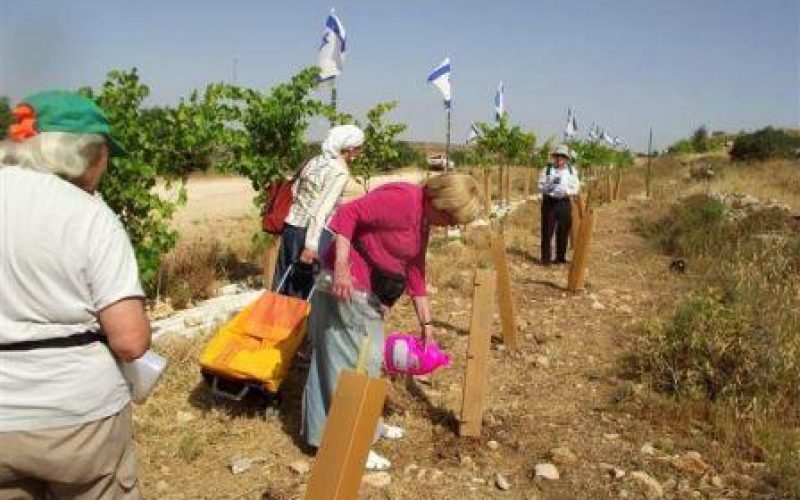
(550, 169)
(74, 340)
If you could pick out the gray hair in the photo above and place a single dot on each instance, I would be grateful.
(61, 153)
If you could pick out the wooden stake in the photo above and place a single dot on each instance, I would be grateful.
(580, 258)
(509, 185)
(476, 379)
(526, 190)
(582, 204)
(349, 432)
(608, 184)
(487, 191)
(269, 260)
(576, 221)
(508, 321)
(506, 194)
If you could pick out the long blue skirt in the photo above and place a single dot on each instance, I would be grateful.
(339, 331)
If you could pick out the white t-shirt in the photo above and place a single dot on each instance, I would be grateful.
(559, 182)
(63, 256)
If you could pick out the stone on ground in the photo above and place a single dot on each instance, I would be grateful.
(377, 479)
(547, 471)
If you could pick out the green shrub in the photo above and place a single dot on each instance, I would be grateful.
(699, 351)
(765, 144)
(691, 227)
(5, 114)
(408, 155)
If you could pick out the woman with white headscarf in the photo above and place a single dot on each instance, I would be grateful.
(317, 190)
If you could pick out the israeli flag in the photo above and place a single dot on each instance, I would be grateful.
(499, 102)
(594, 132)
(440, 77)
(332, 49)
(571, 128)
(474, 133)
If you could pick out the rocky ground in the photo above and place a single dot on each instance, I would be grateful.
(560, 421)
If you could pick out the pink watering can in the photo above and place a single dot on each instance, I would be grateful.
(407, 354)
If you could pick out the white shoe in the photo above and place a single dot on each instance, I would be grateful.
(377, 462)
(392, 432)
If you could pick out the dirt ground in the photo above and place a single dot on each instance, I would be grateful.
(559, 399)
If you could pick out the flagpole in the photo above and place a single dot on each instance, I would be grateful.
(333, 101)
(649, 157)
(447, 144)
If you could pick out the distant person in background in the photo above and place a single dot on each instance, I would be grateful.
(557, 182)
(71, 308)
(317, 191)
(378, 254)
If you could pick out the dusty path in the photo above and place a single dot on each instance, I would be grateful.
(561, 390)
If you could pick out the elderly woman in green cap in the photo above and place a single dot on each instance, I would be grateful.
(71, 308)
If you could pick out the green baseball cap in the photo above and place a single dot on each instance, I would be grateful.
(62, 111)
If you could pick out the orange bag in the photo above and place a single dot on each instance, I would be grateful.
(256, 347)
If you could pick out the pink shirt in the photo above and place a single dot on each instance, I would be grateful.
(389, 224)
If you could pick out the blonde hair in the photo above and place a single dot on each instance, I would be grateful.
(456, 194)
(61, 153)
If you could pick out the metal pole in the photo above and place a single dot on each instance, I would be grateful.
(333, 100)
(447, 144)
(649, 158)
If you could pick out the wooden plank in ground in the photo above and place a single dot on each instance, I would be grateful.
(526, 190)
(476, 380)
(580, 258)
(508, 321)
(618, 185)
(270, 258)
(576, 221)
(487, 191)
(349, 432)
(508, 184)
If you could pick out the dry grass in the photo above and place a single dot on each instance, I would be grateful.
(198, 265)
(711, 352)
(186, 439)
(774, 180)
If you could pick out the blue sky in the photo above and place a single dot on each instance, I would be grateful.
(625, 64)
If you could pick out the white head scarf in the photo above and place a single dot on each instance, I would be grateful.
(341, 137)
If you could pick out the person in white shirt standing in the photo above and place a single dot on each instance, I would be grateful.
(557, 182)
(71, 309)
(317, 191)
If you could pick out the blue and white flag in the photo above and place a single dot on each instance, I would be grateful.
(571, 128)
(499, 102)
(332, 49)
(594, 132)
(440, 77)
(607, 138)
(474, 133)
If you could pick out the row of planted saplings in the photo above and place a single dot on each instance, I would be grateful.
(359, 399)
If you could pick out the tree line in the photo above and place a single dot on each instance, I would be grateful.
(259, 134)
